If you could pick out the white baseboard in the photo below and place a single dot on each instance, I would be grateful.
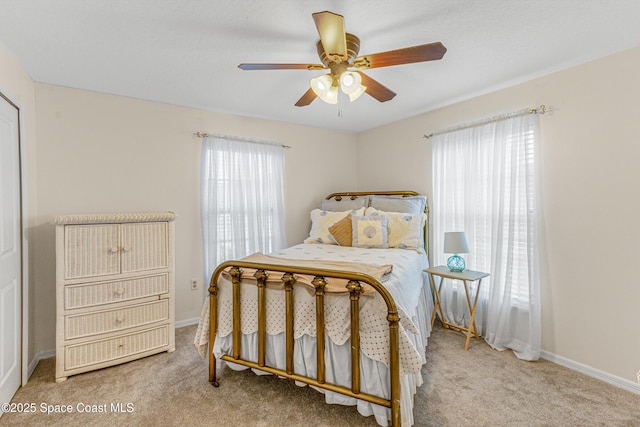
(591, 372)
(187, 322)
(37, 358)
(45, 354)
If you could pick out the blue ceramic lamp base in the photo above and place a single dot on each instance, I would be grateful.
(456, 263)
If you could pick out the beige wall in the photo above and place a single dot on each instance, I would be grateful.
(97, 152)
(105, 153)
(589, 158)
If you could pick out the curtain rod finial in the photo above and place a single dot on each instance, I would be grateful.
(540, 110)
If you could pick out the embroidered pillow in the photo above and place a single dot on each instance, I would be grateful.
(341, 231)
(406, 231)
(369, 231)
(320, 223)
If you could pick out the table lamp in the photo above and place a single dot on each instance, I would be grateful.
(455, 243)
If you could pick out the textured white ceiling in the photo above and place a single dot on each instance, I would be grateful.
(186, 52)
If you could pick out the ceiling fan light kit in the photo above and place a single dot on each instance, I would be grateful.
(338, 52)
(326, 86)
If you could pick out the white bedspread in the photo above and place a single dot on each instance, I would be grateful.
(405, 284)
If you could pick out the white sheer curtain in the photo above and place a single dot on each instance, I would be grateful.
(485, 185)
(242, 199)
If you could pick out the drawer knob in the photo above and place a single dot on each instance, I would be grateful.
(126, 248)
(120, 291)
(114, 250)
(120, 319)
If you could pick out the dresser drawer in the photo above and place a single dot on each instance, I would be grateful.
(90, 294)
(91, 353)
(99, 322)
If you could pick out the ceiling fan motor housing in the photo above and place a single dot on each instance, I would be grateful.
(353, 48)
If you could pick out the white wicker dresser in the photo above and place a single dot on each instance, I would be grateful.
(114, 289)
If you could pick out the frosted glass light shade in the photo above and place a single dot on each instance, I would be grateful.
(331, 96)
(321, 84)
(351, 85)
(323, 87)
(355, 95)
(350, 82)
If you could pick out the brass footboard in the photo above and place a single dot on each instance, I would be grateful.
(355, 287)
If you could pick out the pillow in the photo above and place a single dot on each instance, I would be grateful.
(346, 204)
(406, 231)
(320, 223)
(341, 231)
(369, 231)
(409, 204)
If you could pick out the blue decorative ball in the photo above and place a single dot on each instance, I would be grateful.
(456, 263)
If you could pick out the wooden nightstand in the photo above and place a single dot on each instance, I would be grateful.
(465, 276)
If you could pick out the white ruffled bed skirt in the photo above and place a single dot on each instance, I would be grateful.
(374, 378)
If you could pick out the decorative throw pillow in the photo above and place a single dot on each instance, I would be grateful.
(408, 204)
(406, 231)
(320, 223)
(369, 231)
(341, 231)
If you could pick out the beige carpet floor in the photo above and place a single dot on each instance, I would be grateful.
(481, 387)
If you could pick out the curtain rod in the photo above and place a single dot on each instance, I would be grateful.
(540, 110)
(239, 138)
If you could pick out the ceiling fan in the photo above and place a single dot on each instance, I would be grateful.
(338, 52)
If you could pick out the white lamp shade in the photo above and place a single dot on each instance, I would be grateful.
(455, 242)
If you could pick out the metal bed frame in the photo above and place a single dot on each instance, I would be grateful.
(288, 278)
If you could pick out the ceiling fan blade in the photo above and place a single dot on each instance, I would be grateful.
(407, 55)
(307, 98)
(376, 90)
(281, 66)
(332, 34)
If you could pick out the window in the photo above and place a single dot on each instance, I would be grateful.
(242, 203)
(484, 185)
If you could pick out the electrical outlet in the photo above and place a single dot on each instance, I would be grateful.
(194, 284)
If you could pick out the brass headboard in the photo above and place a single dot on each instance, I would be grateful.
(355, 194)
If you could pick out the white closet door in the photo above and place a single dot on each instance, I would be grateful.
(10, 252)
